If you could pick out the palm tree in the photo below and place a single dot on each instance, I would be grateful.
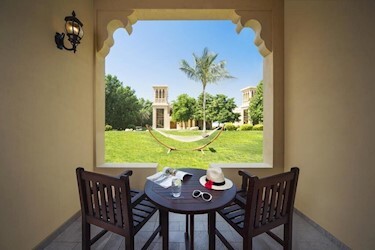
(205, 71)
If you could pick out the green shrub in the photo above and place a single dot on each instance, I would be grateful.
(230, 126)
(131, 126)
(258, 127)
(246, 127)
(108, 127)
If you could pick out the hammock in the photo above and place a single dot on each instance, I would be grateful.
(182, 138)
(186, 139)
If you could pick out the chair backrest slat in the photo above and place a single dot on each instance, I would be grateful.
(111, 210)
(274, 189)
(258, 209)
(265, 213)
(280, 195)
(286, 198)
(103, 202)
(96, 207)
(89, 199)
(118, 208)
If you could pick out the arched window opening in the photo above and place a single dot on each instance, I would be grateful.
(268, 75)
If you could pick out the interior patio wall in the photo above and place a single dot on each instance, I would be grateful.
(329, 114)
(46, 113)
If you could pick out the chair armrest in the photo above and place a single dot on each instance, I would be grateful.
(126, 173)
(245, 174)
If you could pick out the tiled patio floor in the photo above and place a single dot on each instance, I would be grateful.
(305, 236)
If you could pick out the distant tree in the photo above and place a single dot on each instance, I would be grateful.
(205, 71)
(183, 108)
(111, 98)
(221, 109)
(145, 114)
(121, 104)
(198, 113)
(127, 109)
(256, 105)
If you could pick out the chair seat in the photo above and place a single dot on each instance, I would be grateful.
(142, 212)
(234, 214)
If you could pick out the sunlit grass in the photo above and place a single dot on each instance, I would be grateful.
(139, 146)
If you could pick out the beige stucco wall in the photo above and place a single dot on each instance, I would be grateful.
(46, 118)
(329, 114)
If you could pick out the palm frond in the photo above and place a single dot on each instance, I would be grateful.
(188, 70)
(205, 69)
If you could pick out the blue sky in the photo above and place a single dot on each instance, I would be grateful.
(151, 55)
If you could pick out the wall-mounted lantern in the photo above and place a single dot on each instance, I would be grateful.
(74, 31)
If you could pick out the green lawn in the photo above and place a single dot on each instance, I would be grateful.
(139, 146)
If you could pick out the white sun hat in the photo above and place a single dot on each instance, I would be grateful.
(214, 179)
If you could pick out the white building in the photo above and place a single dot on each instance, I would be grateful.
(247, 94)
(160, 108)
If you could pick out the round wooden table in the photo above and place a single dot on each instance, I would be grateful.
(187, 204)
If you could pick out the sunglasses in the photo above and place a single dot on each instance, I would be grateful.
(205, 196)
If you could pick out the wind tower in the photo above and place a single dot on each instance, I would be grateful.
(160, 108)
(247, 95)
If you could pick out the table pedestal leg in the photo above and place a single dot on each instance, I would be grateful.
(189, 232)
(164, 216)
(187, 226)
(191, 238)
(211, 230)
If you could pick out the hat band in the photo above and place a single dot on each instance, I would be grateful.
(216, 183)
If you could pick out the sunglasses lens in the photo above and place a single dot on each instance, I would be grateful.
(196, 193)
(206, 196)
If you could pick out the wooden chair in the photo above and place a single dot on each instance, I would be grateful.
(108, 202)
(261, 205)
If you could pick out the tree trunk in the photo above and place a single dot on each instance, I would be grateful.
(204, 108)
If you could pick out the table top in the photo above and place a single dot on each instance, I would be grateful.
(186, 203)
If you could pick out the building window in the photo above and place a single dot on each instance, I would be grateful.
(160, 118)
(245, 116)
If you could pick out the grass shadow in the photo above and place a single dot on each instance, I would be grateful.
(212, 150)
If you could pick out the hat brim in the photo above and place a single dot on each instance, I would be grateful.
(228, 184)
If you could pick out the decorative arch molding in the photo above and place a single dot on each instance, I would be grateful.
(261, 23)
(109, 21)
